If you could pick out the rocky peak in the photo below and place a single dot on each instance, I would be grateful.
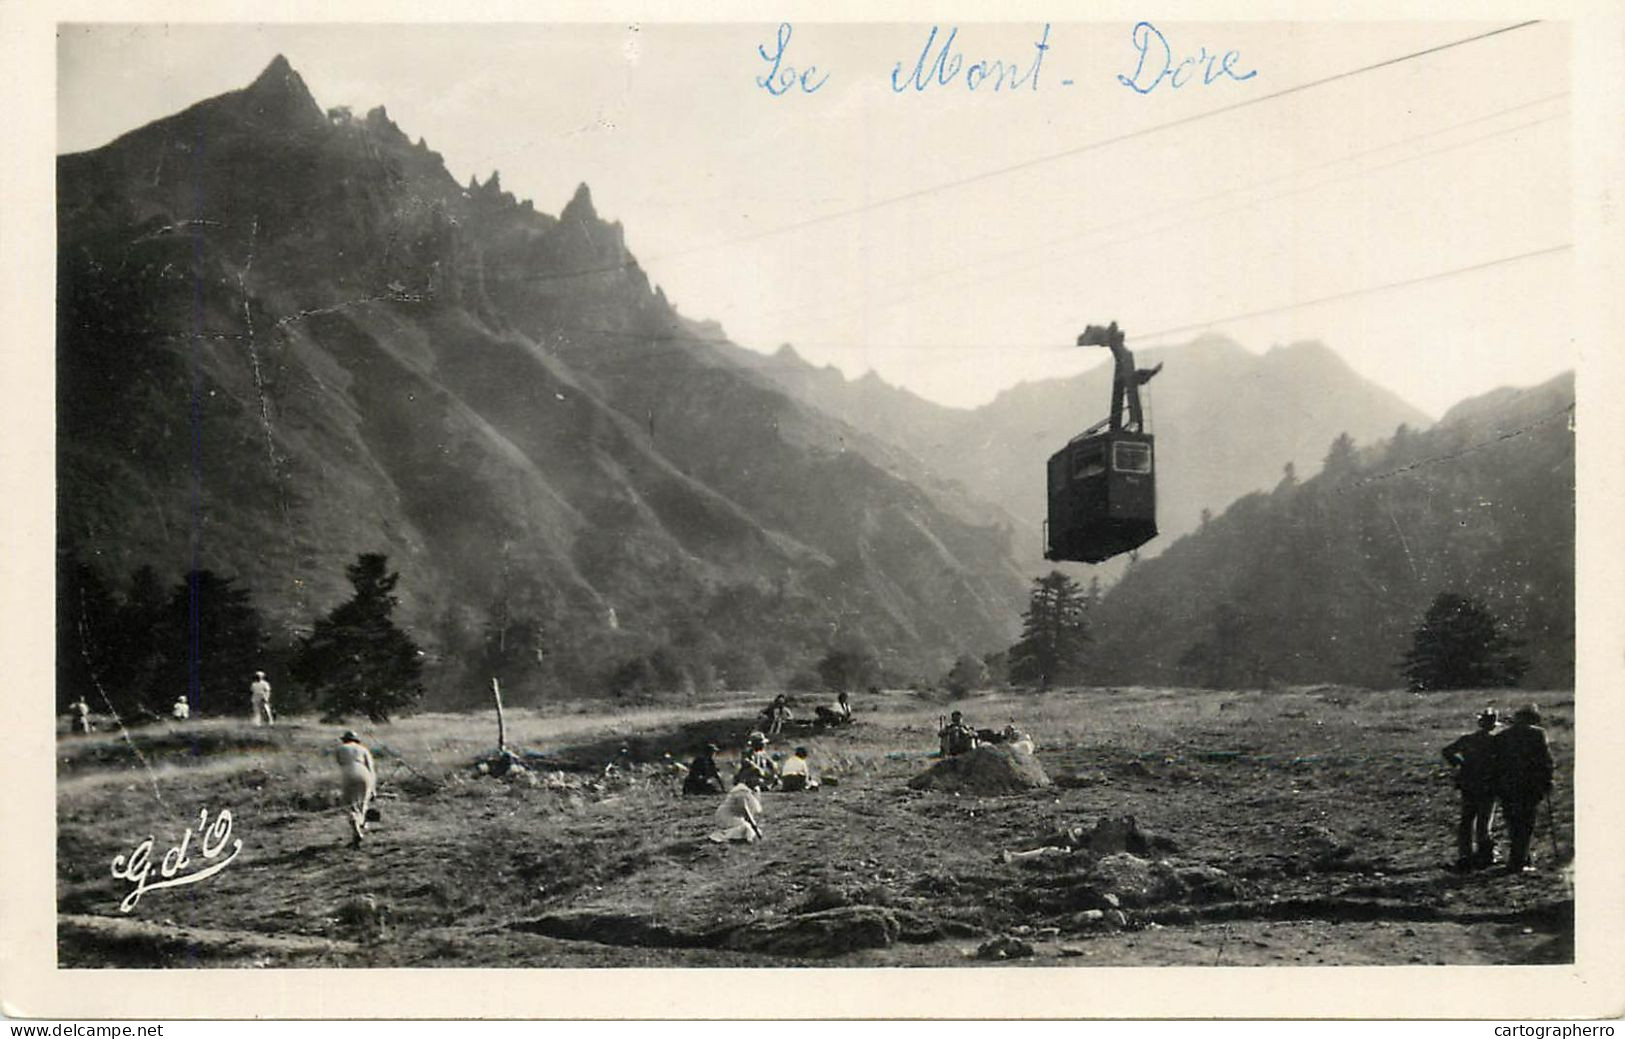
(279, 93)
(580, 208)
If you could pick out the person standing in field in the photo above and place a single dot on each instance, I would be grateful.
(259, 698)
(181, 710)
(1473, 758)
(358, 782)
(1524, 769)
(81, 716)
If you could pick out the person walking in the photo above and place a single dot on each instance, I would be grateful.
(1473, 758)
(1524, 768)
(259, 698)
(358, 782)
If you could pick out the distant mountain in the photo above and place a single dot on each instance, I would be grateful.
(1325, 580)
(1227, 422)
(287, 336)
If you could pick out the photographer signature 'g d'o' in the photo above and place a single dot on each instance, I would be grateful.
(136, 867)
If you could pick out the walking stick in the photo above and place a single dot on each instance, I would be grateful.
(1551, 827)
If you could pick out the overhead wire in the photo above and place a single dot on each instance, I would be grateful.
(1025, 164)
(1140, 338)
(1006, 270)
(1084, 149)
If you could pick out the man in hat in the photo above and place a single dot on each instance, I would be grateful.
(755, 759)
(703, 775)
(956, 737)
(1523, 768)
(259, 698)
(358, 782)
(181, 709)
(1473, 758)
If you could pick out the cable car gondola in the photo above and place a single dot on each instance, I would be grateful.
(1103, 483)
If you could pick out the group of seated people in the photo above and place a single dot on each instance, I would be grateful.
(757, 769)
(958, 737)
(738, 817)
(777, 714)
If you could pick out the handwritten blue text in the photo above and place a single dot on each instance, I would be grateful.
(781, 78)
(1157, 63)
(945, 66)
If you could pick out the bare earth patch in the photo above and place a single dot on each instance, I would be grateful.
(1290, 827)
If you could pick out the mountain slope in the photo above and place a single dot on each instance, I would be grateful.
(288, 336)
(1325, 580)
(1227, 422)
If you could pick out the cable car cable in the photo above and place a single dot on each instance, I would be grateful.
(1039, 160)
(1005, 270)
(1549, 250)
(1103, 142)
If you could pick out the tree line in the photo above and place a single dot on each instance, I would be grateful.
(134, 649)
(1457, 644)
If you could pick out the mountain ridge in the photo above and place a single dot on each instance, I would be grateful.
(377, 359)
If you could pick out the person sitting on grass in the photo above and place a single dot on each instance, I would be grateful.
(737, 818)
(956, 737)
(840, 714)
(776, 714)
(755, 756)
(703, 775)
(798, 773)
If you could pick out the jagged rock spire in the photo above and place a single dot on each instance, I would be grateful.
(280, 93)
(580, 208)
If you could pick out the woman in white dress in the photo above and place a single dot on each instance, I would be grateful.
(736, 818)
(359, 781)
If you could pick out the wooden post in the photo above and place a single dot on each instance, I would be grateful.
(502, 732)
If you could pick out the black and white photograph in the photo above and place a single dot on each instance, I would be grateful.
(959, 490)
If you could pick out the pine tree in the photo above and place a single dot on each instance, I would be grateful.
(213, 638)
(1054, 631)
(356, 661)
(1460, 645)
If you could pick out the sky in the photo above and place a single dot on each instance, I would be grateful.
(1415, 217)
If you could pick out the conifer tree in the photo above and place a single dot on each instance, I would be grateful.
(1460, 645)
(1054, 631)
(356, 661)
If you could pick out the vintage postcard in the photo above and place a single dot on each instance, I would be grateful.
(920, 511)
